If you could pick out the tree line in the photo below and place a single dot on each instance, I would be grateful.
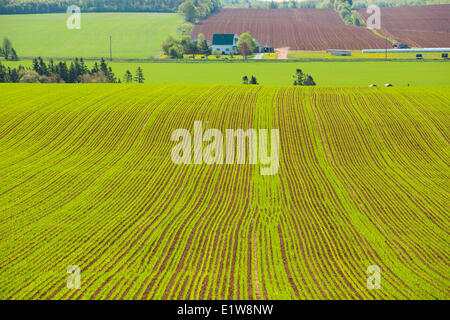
(177, 48)
(269, 4)
(344, 8)
(357, 4)
(300, 79)
(59, 6)
(60, 72)
(193, 10)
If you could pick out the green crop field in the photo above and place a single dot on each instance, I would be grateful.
(358, 74)
(86, 179)
(134, 35)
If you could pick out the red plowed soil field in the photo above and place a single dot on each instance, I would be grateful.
(299, 29)
(421, 26)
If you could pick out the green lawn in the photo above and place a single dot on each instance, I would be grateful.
(134, 35)
(280, 73)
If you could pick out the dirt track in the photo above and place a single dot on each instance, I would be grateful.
(282, 53)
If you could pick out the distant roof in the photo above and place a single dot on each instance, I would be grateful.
(223, 39)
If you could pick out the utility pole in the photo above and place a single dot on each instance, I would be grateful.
(385, 58)
(110, 48)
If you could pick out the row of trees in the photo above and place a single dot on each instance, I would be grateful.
(344, 8)
(60, 72)
(269, 4)
(193, 10)
(7, 51)
(54, 6)
(301, 79)
(252, 80)
(358, 4)
(138, 77)
(177, 48)
(41, 72)
(76, 72)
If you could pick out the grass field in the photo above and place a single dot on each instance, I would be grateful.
(86, 179)
(416, 73)
(134, 35)
(358, 55)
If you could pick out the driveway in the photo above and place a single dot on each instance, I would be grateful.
(282, 53)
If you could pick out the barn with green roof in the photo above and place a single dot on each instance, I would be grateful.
(225, 43)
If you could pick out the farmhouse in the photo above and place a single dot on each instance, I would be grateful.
(225, 43)
(228, 44)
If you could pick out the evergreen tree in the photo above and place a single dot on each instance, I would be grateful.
(42, 69)
(72, 73)
(3, 74)
(14, 56)
(253, 80)
(51, 67)
(139, 77)
(104, 67)
(63, 71)
(298, 77)
(7, 45)
(84, 68)
(128, 78)
(13, 74)
(244, 80)
(309, 81)
(95, 68)
(35, 65)
(111, 75)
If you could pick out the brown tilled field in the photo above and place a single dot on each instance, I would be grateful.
(299, 29)
(421, 26)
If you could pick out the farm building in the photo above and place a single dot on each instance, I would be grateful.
(335, 52)
(225, 43)
(263, 49)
